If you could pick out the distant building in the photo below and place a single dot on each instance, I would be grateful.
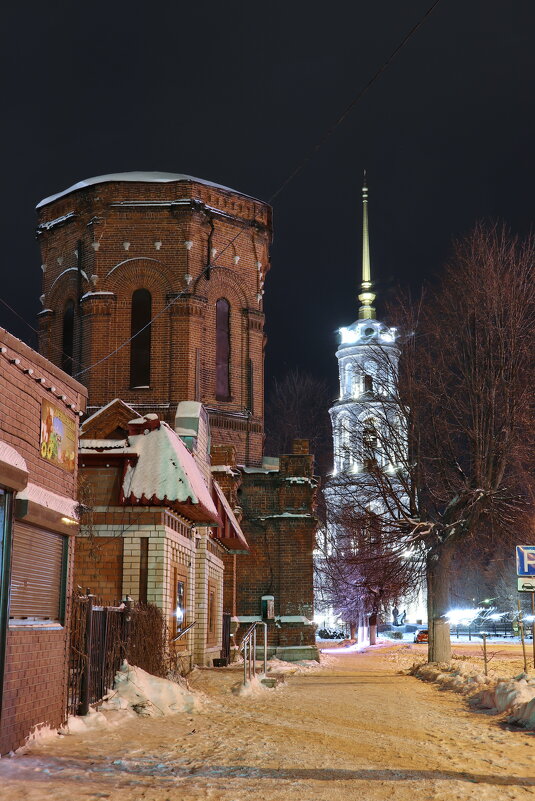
(39, 417)
(153, 290)
(367, 431)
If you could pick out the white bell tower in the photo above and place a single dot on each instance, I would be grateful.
(367, 364)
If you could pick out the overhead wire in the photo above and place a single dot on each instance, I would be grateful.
(313, 150)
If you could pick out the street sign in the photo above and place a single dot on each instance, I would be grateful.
(526, 585)
(525, 560)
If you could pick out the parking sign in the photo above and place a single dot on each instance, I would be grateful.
(525, 560)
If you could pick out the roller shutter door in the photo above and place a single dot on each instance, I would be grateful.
(37, 573)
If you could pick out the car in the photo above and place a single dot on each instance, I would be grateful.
(421, 636)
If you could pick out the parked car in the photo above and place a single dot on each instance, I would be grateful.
(421, 636)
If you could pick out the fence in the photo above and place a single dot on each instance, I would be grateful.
(499, 628)
(102, 637)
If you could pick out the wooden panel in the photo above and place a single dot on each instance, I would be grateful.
(36, 573)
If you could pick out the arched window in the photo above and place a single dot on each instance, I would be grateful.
(140, 344)
(344, 439)
(222, 350)
(67, 341)
(370, 443)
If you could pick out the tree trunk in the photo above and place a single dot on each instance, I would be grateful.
(352, 631)
(438, 586)
(373, 628)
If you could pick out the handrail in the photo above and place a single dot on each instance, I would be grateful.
(184, 631)
(249, 650)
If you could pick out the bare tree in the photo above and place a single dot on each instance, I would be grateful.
(448, 456)
(296, 408)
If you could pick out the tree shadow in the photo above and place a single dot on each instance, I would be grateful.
(132, 771)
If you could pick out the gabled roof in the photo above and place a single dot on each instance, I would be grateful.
(103, 422)
(165, 473)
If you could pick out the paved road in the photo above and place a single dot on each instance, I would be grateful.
(357, 730)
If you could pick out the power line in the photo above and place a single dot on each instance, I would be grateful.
(330, 131)
(326, 136)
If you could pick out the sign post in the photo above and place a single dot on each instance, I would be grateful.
(533, 625)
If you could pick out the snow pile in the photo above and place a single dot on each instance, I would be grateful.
(461, 677)
(516, 697)
(251, 688)
(302, 666)
(147, 695)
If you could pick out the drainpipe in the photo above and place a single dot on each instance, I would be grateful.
(79, 277)
(210, 238)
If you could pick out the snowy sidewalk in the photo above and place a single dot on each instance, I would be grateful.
(354, 730)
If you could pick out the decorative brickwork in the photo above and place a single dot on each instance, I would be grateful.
(101, 243)
(35, 671)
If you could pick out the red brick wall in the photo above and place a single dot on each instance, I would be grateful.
(183, 337)
(35, 673)
(280, 562)
(98, 567)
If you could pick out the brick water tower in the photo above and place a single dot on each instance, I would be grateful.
(119, 250)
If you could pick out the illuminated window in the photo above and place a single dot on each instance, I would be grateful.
(222, 350)
(67, 341)
(141, 342)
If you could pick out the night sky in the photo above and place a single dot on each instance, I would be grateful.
(238, 93)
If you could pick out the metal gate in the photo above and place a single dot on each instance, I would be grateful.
(225, 644)
(99, 637)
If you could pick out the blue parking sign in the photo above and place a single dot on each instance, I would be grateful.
(525, 560)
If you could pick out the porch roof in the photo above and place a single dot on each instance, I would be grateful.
(230, 535)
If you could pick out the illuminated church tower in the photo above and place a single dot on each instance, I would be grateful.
(367, 363)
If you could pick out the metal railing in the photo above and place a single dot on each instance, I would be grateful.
(184, 631)
(248, 647)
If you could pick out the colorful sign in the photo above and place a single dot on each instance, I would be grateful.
(525, 560)
(58, 437)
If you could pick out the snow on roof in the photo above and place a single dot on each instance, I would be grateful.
(46, 226)
(103, 408)
(12, 457)
(165, 471)
(66, 507)
(189, 409)
(103, 444)
(135, 177)
(96, 293)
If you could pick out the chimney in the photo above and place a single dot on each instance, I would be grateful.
(300, 447)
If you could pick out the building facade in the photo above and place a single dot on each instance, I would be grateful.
(39, 412)
(367, 431)
(153, 293)
(121, 250)
(152, 530)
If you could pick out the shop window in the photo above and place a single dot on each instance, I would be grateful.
(141, 343)
(67, 341)
(38, 575)
(222, 350)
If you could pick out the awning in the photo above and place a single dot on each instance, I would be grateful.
(46, 509)
(13, 469)
(230, 534)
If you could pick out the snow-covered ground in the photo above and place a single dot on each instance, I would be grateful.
(357, 728)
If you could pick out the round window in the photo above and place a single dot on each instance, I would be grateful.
(368, 332)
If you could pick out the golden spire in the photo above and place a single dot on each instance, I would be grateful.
(366, 297)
